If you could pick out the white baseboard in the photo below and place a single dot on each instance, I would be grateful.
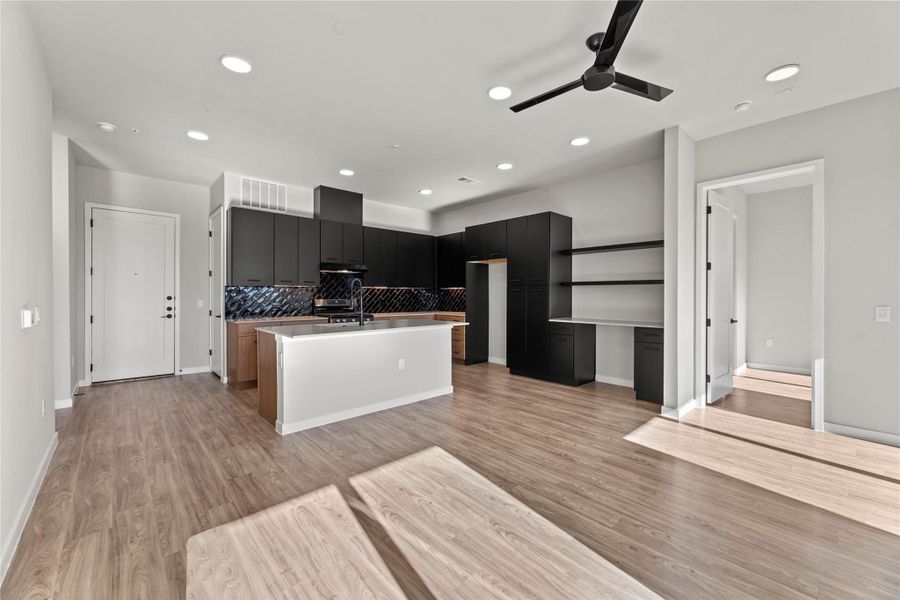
(295, 426)
(84, 383)
(677, 414)
(780, 368)
(613, 380)
(497, 360)
(864, 434)
(10, 543)
(64, 403)
(194, 370)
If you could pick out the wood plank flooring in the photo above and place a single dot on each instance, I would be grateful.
(309, 547)
(467, 538)
(782, 409)
(776, 383)
(867, 457)
(857, 496)
(143, 466)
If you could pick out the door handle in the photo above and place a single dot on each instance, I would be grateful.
(733, 321)
(166, 316)
(218, 316)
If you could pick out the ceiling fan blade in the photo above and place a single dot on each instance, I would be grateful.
(639, 87)
(547, 95)
(622, 17)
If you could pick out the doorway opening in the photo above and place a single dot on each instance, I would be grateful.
(760, 285)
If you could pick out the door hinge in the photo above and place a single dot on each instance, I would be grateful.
(92, 222)
(708, 266)
(92, 318)
(709, 323)
(708, 380)
(210, 351)
(92, 271)
(210, 234)
(210, 273)
(708, 209)
(92, 367)
(210, 313)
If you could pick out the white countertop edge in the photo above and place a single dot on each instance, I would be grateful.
(295, 332)
(609, 322)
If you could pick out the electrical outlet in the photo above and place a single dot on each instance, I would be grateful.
(770, 342)
(401, 364)
(883, 314)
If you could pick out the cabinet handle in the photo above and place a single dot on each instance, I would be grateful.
(254, 280)
(285, 281)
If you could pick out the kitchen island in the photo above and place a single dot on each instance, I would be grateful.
(312, 375)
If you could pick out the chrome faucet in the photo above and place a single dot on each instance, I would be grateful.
(362, 315)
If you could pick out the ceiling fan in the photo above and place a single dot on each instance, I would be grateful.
(602, 74)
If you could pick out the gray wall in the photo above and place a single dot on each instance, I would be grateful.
(192, 203)
(623, 205)
(779, 291)
(26, 382)
(860, 143)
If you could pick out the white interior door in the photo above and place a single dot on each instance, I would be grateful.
(216, 293)
(720, 305)
(132, 324)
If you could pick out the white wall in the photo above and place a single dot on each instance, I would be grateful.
(64, 377)
(27, 437)
(497, 313)
(779, 292)
(859, 141)
(734, 198)
(227, 190)
(623, 205)
(192, 203)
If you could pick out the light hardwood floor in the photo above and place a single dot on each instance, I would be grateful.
(142, 466)
(782, 409)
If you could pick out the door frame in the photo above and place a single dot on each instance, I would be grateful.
(815, 167)
(88, 263)
(219, 214)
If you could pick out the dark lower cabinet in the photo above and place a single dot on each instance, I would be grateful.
(573, 353)
(308, 251)
(287, 257)
(536, 336)
(648, 364)
(250, 248)
(516, 327)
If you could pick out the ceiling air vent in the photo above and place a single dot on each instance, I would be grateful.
(256, 193)
(469, 180)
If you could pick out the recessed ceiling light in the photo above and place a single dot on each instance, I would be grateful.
(505, 166)
(783, 72)
(106, 127)
(580, 141)
(236, 64)
(743, 106)
(346, 172)
(425, 192)
(197, 135)
(499, 92)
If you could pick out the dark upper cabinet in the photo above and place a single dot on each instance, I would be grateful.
(372, 256)
(538, 248)
(250, 248)
(286, 256)
(475, 242)
(516, 327)
(332, 241)
(517, 251)
(451, 261)
(424, 271)
(341, 242)
(537, 342)
(415, 260)
(494, 240)
(405, 266)
(389, 257)
(353, 244)
(308, 251)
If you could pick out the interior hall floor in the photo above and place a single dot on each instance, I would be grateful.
(771, 395)
(141, 466)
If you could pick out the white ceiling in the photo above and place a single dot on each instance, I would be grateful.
(336, 84)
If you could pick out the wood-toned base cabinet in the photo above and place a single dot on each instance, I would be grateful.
(241, 359)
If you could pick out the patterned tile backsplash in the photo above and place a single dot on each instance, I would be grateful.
(256, 302)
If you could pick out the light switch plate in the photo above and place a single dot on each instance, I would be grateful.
(883, 314)
(27, 318)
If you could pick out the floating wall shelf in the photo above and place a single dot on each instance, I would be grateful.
(615, 282)
(615, 247)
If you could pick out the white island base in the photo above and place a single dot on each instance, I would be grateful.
(328, 373)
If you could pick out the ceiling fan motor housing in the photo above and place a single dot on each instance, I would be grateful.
(598, 78)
